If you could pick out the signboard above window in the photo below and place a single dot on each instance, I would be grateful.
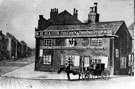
(69, 33)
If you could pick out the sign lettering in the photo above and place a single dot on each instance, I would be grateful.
(71, 32)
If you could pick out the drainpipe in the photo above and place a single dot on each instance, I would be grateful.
(112, 67)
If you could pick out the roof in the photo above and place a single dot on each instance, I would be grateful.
(131, 29)
(65, 18)
(111, 25)
(65, 13)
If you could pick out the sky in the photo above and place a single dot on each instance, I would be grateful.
(20, 17)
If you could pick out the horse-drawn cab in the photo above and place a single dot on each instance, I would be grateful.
(97, 70)
(94, 69)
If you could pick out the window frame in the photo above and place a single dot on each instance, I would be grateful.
(96, 42)
(123, 62)
(46, 41)
(47, 58)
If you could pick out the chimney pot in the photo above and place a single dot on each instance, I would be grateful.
(57, 10)
(95, 3)
(94, 9)
(40, 16)
(76, 11)
(91, 9)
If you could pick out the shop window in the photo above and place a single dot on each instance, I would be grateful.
(95, 61)
(96, 42)
(99, 61)
(123, 61)
(69, 59)
(72, 60)
(48, 42)
(86, 61)
(47, 59)
(40, 52)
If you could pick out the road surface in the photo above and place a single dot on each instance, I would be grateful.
(26, 78)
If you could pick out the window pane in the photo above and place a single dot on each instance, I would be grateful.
(47, 59)
(47, 42)
(96, 42)
(123, 63)
(86, 61)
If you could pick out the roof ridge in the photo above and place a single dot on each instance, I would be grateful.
(64, 11)
(112, 21)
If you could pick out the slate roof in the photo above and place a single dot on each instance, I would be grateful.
(65, 18)
(65, 12)
(131, 29)
(111, 25)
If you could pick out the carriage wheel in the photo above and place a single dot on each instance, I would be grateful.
(89, 75)
(105, 74)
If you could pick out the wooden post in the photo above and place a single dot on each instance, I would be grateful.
(112, 68)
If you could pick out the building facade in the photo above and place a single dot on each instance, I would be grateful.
(15, 48)
(12, 46)
(131, 56)
(3, 47)
(23, 49)
(64, 36)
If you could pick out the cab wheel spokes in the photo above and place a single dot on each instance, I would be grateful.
(105, 74)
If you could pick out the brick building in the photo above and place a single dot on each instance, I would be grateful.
(15, 48)
(23, 49)
(3, 47)
(63, 36)
(12, 46)
(131, 56)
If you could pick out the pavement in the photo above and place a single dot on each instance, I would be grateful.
(7, 66)
(28, 72)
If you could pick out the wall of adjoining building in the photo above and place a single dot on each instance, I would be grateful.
(122, 49)
(3, 47)
(11, 48)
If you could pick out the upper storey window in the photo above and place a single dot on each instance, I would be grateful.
(48, 42)
(96, 42)
(71, 42)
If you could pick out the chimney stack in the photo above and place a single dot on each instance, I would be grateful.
(93, 16)
(40, 16)
(75, 13)
(95, 5)
(54, 13)
(91, 9)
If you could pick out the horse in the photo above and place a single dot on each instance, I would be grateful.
(69, 71)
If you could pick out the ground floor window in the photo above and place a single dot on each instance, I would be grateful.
(123, 61)
(86, 61)
(100, 59)
(73, 60)
(47, 59)
(96, 59)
